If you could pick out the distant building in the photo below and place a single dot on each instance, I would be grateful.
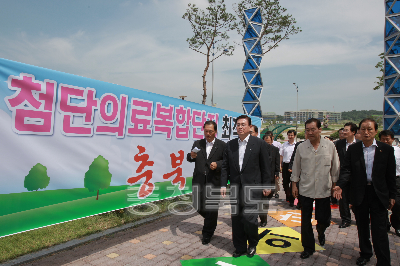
(269, 115)
(305, 114)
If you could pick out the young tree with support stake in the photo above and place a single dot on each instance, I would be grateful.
(210, 27)
(98, 176)
(278, 26)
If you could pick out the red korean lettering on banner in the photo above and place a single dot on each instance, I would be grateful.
(176, 162)
(118, 111)
(141, 118)
(70, 110)
(147, 187)
(32, 104)
(164, 120)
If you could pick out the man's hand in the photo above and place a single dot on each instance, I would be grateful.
(213, 166)
(223, 192)
(290, 170)
(193, 154)
(391, 203)
(266, 192)
(295, 191)
(337, 192)
(277, 176)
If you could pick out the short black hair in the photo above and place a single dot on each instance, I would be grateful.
(341, 128)
(244, 117)
(255, 128)
(386, 133)
(268, 135)
(210, 122)
(368, 120)
(292, 131)
(313, 120)
(353, 127)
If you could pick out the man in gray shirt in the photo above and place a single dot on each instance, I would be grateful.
(316, 168)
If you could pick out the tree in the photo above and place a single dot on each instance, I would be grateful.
(37, 178)
(379, 66)
(277, 25)
(210, 27)
(98, 176)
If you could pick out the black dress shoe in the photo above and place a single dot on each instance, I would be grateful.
(298, 207)
(206, 240)
(321, 239)
(362, 261)
(397, 231)
(276, 196)
(291, 204)
(344, 225)
(251, 251)
(237, 254)
(264, 224)
(305, 254)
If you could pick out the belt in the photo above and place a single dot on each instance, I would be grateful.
(369, 183)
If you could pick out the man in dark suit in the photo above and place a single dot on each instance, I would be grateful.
(369, 169)
(349, 132)
(207, 173)
(387, 136)
(274, 159)
(246, 165)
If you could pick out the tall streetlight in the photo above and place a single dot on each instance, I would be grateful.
(297, 108)
(212, 82)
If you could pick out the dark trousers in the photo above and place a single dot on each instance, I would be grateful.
(371, 209)
(209, 211)
(344, 207)
(287, 184)
(395, 217)
(298, 198)
(244, 225)
(322, 215)
(264, 216)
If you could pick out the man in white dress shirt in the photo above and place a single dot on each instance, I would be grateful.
(286, 152)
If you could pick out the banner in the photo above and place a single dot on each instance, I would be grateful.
(74, 147)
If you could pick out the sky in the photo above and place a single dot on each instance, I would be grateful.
(142, 45)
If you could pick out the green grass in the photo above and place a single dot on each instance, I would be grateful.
(24, 243)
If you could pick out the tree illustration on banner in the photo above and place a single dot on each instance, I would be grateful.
(98, 176)
(37, 178)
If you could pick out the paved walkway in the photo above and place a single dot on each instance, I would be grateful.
(174, 238)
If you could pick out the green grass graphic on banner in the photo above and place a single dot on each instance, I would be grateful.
(43, 208)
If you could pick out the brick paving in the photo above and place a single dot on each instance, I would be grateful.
(171, 239)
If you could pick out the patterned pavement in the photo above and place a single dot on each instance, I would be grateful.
(171, 239)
